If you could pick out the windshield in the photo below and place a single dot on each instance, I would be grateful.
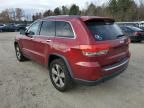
(104, 30)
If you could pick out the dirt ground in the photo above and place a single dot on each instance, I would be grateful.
(27, 84)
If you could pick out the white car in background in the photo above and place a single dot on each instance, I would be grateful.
(139, 24)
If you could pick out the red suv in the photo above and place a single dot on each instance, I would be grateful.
(79, 49)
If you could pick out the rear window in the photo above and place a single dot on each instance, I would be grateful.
(104, 30)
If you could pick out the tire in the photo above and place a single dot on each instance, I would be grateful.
(60, 76)
(19, 54)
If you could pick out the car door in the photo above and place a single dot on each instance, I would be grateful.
(44, 41)
(8, 28)
(11, 28)
(27, 40)
(65, 39)
(129, 31)
(5, 28)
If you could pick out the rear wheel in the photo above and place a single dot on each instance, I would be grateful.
(59, 75)
(19, 54)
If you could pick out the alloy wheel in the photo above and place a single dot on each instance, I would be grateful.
(58, 75)
(18, 53)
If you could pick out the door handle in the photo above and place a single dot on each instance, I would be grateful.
(48, 40)
(32, 38)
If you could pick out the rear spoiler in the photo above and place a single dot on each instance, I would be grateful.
(105, 19)
(101, 20)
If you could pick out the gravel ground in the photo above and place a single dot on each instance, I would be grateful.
(27, 84)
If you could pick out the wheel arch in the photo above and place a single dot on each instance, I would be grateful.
(52, 57)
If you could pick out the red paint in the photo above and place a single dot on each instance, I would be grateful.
(83, 67)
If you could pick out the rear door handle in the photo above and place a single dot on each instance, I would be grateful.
(48, 40)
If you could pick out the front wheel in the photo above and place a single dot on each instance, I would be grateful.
(59, 75)
(19, 54)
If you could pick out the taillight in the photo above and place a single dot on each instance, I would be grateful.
(94, 50)
(137, 33)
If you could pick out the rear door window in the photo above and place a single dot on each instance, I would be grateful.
(102, 30)
(64, 29)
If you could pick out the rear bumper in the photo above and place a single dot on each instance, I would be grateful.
(100, 80)
(108, 72)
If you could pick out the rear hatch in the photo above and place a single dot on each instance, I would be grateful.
(106, 32)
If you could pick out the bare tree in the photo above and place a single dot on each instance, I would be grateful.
(5, 16)
(19, 14)
(12, 14)
(91, 9)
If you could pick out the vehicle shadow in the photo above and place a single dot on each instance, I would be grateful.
(78, 88)
(109, 85)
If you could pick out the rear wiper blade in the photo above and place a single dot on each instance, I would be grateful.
(119, 36)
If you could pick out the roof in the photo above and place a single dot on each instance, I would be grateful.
(69, 17)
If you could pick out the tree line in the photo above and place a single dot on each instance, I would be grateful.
(121, 10)
(9, 15)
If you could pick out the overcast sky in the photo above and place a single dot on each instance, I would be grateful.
(44, 4)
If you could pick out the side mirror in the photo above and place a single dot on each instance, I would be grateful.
(29, 34)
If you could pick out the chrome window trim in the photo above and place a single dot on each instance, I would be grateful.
(74, 37)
